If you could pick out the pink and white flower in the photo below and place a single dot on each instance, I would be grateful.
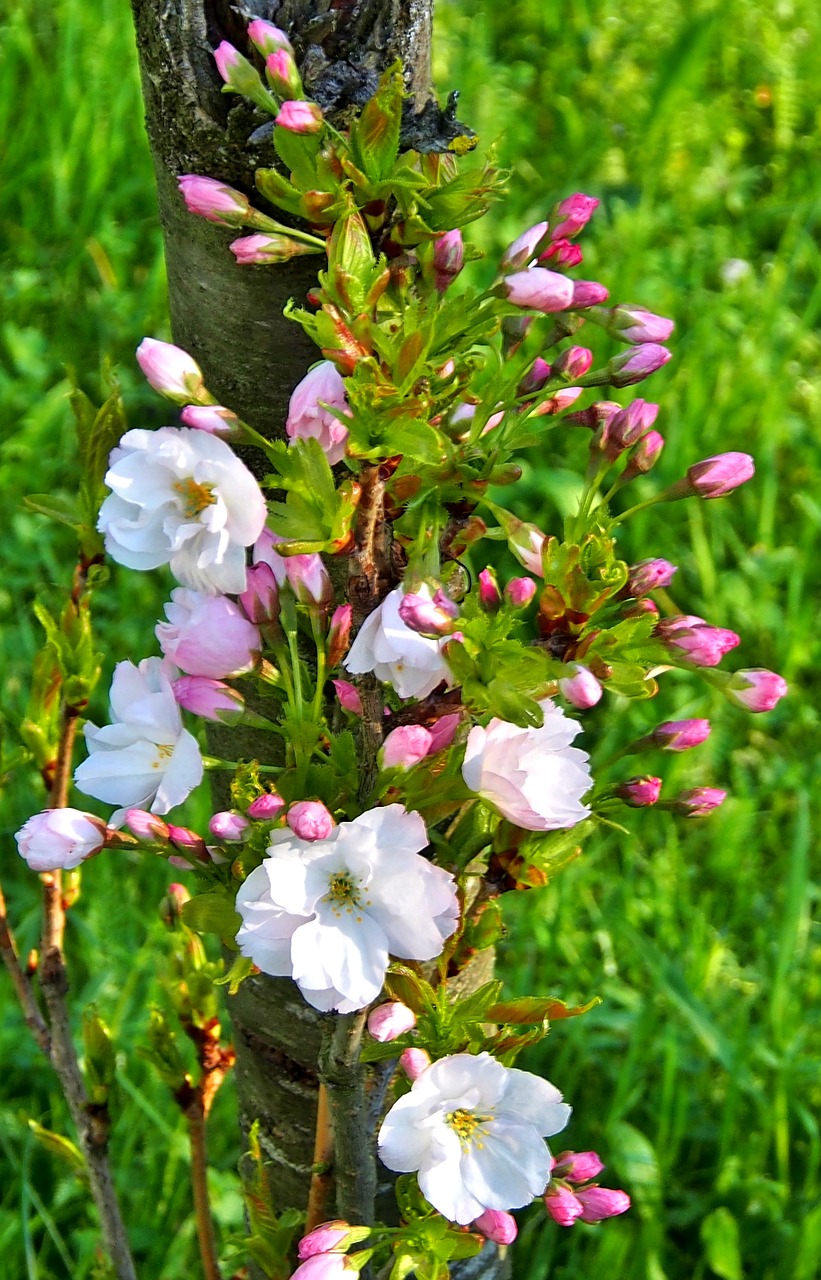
(532, 776)
(182, 497)
(330, 912)
(170, 370)
(412, 663)
(474, 1133)
(60, 838)
(309, 416)
(207, 635)
(144, 759)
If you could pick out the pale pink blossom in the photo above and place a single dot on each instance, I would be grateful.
(330, 1237)
(756, 689)
(266, 806)
(209, 699)
(214, 200)
(300, 117)
(326, 1266)
(523, 249)
(309, 410)
(637, 324)
(387, 1021)
(497, 1226)
(228, 825)
(581, 688)
(310, 820)
(170, 370)
(213, 418)
(413, 1062)
(428, 615)
(60, 838)
(146, 826)
(405, 746)
(413, 664)
(207, 635)
(539, 290)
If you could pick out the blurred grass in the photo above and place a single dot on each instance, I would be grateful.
(697, 1078)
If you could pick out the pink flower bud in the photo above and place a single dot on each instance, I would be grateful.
(571, 216)
(214, 200)
(413, 1062)
(228, 59)
(714, 477)
(310, 410)
(405, 746)
(213, 418)
(348, 696)
(535, 378)
(562, 1205)
(300, 117)
(310, 820)
(267, 806)
(519, 592)
(326, 1266)
(650, 575)
(339, 634)
(577, 1166)
(238, 73)
(561, 400)
(146, 826)
(514, 332)
(267, 38)
(210, 699)
(698, 802)
(442, 732)
(309, 580)
(637, 324)
(523, 249)
(283, 75)
(588, 293)
(265, 247)
(448, 259)
(175, 898)
(624, 429)
(387, 1021)
(228, 825)
(645, 455)
(170, 370)
(60, 839)
(634, 366)
(496, 1225)
(581, 689)
(188, 841)
(701, 644)
(329, 1238)
(639, 793)
(466, 412)
(599, 1203)
(680, 735)
(562, 255)
(489, 594)
(573, 363)
(207, 635)
(260, 599)
(755, 689)
(426, 615)
(539, 290)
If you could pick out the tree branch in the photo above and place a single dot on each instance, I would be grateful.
(21, 982)
(343, 1075)
(322, 1170)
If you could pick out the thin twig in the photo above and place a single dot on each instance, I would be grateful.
(343, 1074)
(322, 1170)
(199, 1186)
(21, 982)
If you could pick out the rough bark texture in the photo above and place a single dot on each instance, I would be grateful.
(230, 319)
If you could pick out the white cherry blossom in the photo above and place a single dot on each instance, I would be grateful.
(144, 759)
(411, 662)
(182, 497)
(532, 776)
(474, 1132)
(329, 913)
(60, 838)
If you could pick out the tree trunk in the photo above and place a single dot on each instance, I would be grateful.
(230, 320)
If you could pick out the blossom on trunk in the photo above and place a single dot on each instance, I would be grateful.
(474, 1132)
(182, 497)
(207, 635)
(532, 776)
(144, 759)
(330, 912)
(60, 838)
(412, 663)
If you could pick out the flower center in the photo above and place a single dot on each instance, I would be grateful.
(195, 497)
(344, 895)
(164, 751)
(468, 1126)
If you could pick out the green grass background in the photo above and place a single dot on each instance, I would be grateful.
(697, 1078)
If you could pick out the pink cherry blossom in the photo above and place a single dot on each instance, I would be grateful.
(309, 411)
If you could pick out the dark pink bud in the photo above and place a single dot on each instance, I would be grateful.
(348, 696)
(428, 616)
(650, 575)
(329, 1238)
(624, 429)
(562, 1205)
(755, 689)
(300, 117)
(267, 38)
(714, 477)
(283, 76)
(213, 418)
(562, 255)
(266, 247)
(185, 839)
(228, 825)
(639, 793)
(519, 592)
(581, 688)
(535, 378)
(577, 1166)
(448, 259)
(523, 249)
(636, 365)
(489, 593)
(573, 363)
(570, 216)
(442, 732)
(698, 802)
(146, 826)
(310, 820)
(588, 293)
(645, 455)
(641, 607)
(214, 200)
(680, 735)
(266, 806)
(561, 400)
(387, 1021)
(496, 1225)
(637, 324)
(599, 1203)
(413, 1062)
(701, 644)
(539, 290)
(404, 747)
(260, 599)
(339, 634)
(210, 699)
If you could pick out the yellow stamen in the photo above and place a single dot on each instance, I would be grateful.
(195, 497)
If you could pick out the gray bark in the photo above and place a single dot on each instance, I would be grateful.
(230, 319)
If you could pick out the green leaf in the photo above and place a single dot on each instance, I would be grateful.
(636, 1161)
(213, 912)
(241, 969)
(54, 507)
(59, 1146)
(100, 1056)
(375, 135)
(298, 152)
(530, 1009)
(271, 184)
(719, 1235)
